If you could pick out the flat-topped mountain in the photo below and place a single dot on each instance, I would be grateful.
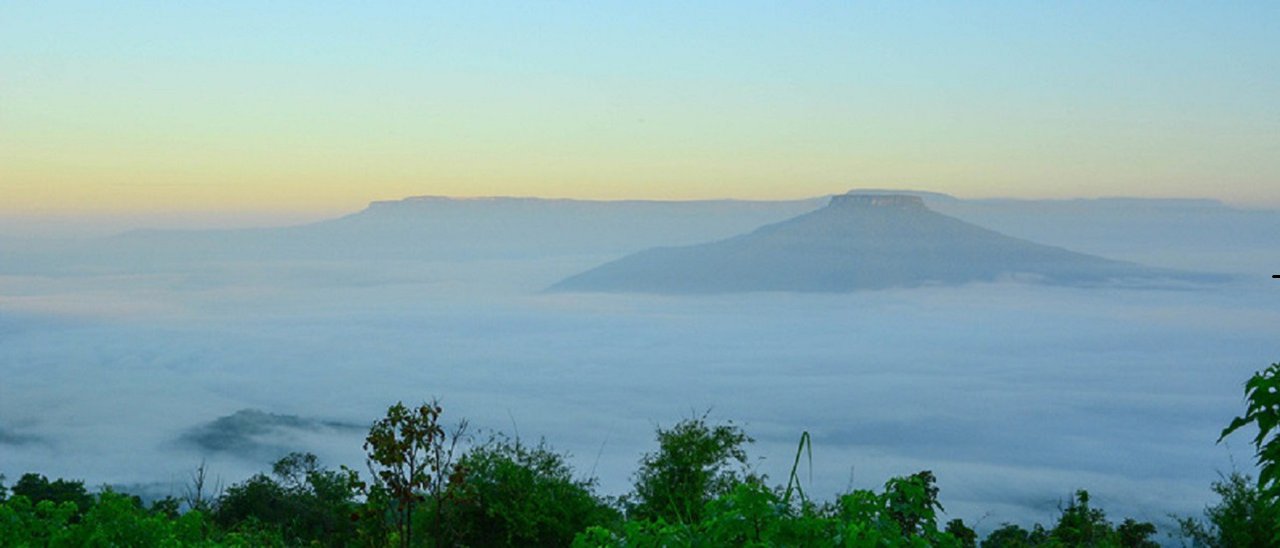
(858, 241)
(442, 228)
(1190, 234)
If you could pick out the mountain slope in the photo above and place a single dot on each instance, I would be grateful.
(859, 241)
(435, 228)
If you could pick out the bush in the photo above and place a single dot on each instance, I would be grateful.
(1080, 524)
(1262, 392)
(695, 463)
(511, 494)
(1243, 517)
(38, 488)
(112, 520)
(304, 504)
(755, 515)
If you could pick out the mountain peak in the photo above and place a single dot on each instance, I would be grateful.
(893, 201)
(859, 241)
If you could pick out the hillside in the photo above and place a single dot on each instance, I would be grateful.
(858, 241)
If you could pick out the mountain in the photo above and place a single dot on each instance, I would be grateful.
(1184, 234)
(435, 228)
(509, 227)
(858, 241)
(425, 228)
(1194, 234)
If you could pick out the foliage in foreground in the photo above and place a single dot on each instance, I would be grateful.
(1242, 518)
(695, 490)
(517, 495)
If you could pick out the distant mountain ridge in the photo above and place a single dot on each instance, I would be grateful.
(1177, 233)
(443, 228)
(858, 241)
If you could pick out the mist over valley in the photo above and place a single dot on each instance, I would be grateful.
(128, 359)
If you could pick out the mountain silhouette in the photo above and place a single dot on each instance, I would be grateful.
(858, 241)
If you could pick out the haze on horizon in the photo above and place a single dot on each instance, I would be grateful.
(128, 360)
(125, 358)
(305, 111)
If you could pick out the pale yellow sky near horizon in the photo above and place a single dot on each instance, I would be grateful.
(254, 203)
(248, 108)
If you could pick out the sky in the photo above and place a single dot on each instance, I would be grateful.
(311, 108)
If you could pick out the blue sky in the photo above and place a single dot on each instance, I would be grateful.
(257, 106)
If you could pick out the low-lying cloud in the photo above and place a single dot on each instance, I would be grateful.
(259, 435)
(1013, 394)
(10, 437)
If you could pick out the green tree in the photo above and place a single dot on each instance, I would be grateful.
(305, 503)
(1136, 534)
(912, 502)
(512, 494)
(25, 523)
(967, 537)
(906, 513)
(258, 502)
(1081, 524)
(695, 463)
(120, 520)
(38, 488)
(411, 458)
(1009, 535)
(1241, 518)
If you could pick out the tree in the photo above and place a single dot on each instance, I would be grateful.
(1241, 518)
(305, 503)
(194, 494)
(38, 488)
(410, 455)
(1081, 524)
(519, 495)
(1009, 535)
(968, 538)
(912, 502)
(695, 463)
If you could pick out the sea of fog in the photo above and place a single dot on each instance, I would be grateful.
(1013, 395)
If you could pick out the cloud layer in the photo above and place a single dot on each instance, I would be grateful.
(1014, 395)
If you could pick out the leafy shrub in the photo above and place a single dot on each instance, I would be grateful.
(1013, 536)
(120, 520)
(695, 463)
(1241, 518)
(755, 515)
(905, 514)
(1080, 524)
(25, 523)
(112, 520)
(38, 488)
(305, 503)
(1262, 391)
(968, 538)
(512, 494)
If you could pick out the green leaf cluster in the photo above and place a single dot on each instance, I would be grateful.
(513, 494)
(1262, 392)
